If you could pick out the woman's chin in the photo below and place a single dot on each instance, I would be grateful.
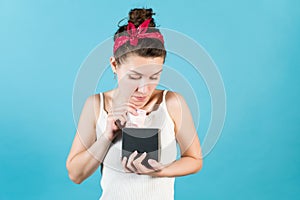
(138, 104)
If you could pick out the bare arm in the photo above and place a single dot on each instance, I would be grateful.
(186, 136)
(86, 152)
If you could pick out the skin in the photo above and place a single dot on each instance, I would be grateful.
(81, 164)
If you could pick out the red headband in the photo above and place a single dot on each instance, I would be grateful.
(136, 34)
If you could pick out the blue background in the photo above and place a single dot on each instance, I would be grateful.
(255, 45)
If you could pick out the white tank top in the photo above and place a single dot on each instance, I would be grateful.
(118, 185)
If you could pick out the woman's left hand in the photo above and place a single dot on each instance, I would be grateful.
(136, 166)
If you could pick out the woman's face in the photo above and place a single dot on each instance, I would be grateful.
(139, 76)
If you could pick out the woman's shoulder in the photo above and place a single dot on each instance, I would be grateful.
(174, 101)
(105, 96)
(93, 102)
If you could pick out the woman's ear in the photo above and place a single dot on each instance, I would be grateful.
(113, 64)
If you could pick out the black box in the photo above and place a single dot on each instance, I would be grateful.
(142, 140)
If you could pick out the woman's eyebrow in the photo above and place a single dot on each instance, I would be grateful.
(142, 74)
(157, 72)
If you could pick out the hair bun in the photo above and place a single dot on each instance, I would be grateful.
(139, 15)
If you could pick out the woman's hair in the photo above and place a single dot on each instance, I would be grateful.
(146, 47)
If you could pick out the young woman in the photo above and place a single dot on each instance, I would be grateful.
(139, 54)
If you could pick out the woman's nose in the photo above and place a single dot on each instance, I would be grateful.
(142, 88)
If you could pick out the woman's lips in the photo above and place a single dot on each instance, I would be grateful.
(140, 98)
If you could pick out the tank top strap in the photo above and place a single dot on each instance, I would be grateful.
(164, 98)
(101, 100)
(164, 105)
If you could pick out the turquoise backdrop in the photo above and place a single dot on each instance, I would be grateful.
(254, 43)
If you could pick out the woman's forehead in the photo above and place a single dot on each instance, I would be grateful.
(143, 65)
(147, 69)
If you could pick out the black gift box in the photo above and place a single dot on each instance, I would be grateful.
(142, 140)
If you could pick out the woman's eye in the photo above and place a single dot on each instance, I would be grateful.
(154, 78)
(135, 77)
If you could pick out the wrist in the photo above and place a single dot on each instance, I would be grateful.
(160, 173)
(108, 136)
(99, 149)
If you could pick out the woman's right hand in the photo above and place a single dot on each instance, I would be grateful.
(117, 118)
